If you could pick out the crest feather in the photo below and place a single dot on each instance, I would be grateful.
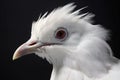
(66, 11)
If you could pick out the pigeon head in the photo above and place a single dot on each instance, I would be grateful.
(59, 34)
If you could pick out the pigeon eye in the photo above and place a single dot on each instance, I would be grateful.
(61, 33)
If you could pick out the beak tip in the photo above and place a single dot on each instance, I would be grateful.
(15, 56)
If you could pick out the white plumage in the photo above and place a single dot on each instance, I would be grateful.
(76, 48)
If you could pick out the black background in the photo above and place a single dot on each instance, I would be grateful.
(16, 17)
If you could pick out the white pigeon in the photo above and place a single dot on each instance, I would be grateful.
(77, 49)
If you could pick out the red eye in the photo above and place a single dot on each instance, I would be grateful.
(61, 33)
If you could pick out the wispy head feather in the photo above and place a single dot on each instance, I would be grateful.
(68, 11)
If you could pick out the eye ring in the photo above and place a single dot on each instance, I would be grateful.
(61, 33)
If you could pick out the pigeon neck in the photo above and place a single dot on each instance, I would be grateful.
(92, 69)
(97, 68)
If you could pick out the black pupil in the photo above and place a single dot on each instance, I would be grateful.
(60, 34)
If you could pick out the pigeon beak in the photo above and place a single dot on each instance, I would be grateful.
(26, 48)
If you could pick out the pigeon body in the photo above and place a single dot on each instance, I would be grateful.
(77, 49)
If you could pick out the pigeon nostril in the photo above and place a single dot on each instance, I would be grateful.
(32, 43)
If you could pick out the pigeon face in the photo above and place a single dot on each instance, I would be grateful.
(58, 35)
(55, 34)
